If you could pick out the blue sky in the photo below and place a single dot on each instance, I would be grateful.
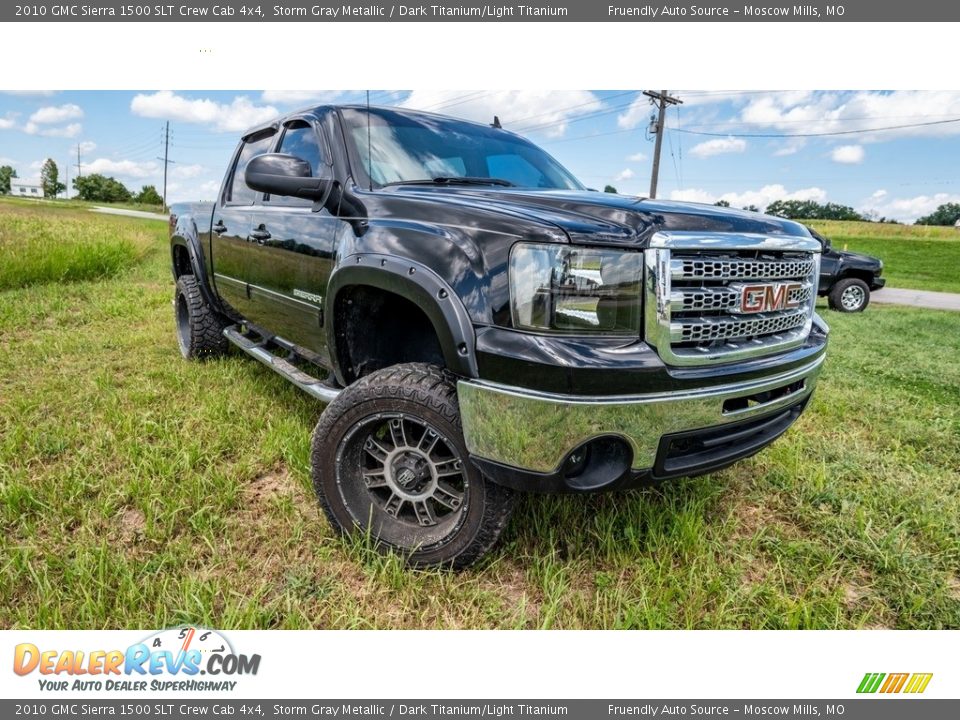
(599, 135)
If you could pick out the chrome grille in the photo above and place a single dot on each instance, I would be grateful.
(723, 298)
(720, 297)
(708, 328)
(689, 268)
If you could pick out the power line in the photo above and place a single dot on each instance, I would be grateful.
(818, 134)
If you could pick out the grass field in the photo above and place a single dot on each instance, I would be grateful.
(918, 257)
(64, 243)
(137, 490)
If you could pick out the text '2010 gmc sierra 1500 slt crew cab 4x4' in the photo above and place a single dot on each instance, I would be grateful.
(480, 323)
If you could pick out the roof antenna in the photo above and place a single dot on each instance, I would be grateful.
(496, 123)
(369, 147)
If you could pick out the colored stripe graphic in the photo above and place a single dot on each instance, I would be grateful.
(870, 682)
(918, 682)
(894, 683)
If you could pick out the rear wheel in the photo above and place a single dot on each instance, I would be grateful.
(850, 295)
(389, 460)
(199, 327)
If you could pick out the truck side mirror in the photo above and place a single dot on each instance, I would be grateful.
(287, 175)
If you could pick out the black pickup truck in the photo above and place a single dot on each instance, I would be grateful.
(847, 278)
(480, 323)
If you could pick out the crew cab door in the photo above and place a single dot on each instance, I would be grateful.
(291, 249)
(232, 218)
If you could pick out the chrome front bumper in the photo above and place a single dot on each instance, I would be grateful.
(537, 432)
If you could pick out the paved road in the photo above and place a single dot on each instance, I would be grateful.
(130, 213)
(917, 298)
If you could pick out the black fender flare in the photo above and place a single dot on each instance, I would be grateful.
(421, 286)
(191, 243)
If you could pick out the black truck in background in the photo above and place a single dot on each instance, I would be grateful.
(847, 278)
(479, 323)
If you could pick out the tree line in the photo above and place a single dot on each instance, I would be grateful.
(92, 188)
(946, 214)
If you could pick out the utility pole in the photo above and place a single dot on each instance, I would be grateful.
(166, 161)
(661, 100)
(79, 166)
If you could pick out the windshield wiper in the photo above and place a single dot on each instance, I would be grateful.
(444, 180)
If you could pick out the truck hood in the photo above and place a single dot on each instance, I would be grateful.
(859, 259)
(589, 217)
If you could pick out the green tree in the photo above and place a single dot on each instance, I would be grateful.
(610, 189)
(50, 179)
(148, 195)
(812, 210)
(946, 214)
(99, 188)
(722, 203)
(6, 174)
(751, 208)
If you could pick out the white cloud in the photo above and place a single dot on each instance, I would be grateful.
(236, 116)
(761, 198)
(832, 111)
(879, 195)
(65, 131)
(8, 121)
(848, 154)
(637, 157)
(186, 171)
(719, 146)
(124, 168)
(56, 114)
(635, 115)
(87, 146)
(908, 209)
(624, 174)
(522, 111)
(790, 147)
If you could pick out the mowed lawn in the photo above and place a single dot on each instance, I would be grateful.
(919, 257)
(138, 490)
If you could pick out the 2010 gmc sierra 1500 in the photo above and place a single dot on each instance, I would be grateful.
(480, 323)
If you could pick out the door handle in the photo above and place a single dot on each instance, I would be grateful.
(219, 228)
(261, 235)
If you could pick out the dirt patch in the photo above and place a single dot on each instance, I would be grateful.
(132, 524)
(953, 586)
(271, 484)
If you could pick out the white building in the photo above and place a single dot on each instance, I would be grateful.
(26, 188)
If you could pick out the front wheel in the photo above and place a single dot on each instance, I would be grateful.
(849, 295)
(389, 459)
(199, 327)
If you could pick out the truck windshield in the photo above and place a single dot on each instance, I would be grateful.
(411, 148)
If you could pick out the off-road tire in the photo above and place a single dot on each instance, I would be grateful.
(414, 393)
(854, 287)
(199, 327)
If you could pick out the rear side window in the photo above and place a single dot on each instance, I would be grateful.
(301, 140)
(240, 194)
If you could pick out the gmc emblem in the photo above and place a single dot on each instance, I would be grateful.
(768, 297)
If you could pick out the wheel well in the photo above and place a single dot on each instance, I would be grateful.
(181, 261)
(376, 329)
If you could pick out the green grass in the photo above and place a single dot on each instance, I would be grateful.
(918, 257)
(138, 490)
(60, 244)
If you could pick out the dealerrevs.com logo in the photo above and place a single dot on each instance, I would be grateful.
(172, 659)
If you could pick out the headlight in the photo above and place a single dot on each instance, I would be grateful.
(563, 288)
